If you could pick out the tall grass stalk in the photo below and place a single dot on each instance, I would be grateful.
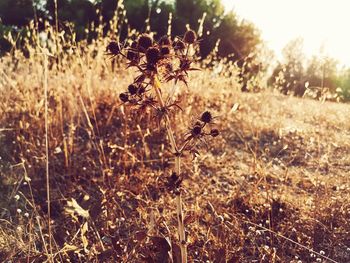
(45, 84)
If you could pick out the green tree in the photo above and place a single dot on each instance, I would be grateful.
(81, 12)
(17, 13)
(288, 76)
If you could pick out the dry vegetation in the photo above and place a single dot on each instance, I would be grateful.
(273, 187)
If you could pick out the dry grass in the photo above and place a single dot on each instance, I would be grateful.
(271, 188)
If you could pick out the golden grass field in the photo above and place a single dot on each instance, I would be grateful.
(272, 187)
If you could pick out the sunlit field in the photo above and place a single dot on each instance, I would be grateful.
(138, 150)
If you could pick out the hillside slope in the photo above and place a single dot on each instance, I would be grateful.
(273, 187)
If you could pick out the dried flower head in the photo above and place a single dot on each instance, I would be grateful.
(179, 45)
(206, 117)
(139, 79)
(214, 132)
(132, 53)
(132, 89)
(190, 37)
(165, 50)
(196, 130)
(174, 182)
(124, 97)
(114, 48)
(152, 55)
(165, 41)
(141, 90)
(144, 42)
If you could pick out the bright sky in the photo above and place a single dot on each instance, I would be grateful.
(320, 22)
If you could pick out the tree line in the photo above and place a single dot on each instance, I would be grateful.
(238, 38)
(235, 39)
(318, 77)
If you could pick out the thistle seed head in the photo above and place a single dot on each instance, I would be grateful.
(114, 48)
(139, 79)
(165, 41)
(214, 132)
(144, 42)
(190, 37)
(152, 55)
(141, 90)
(206, 117)
(124, 97)
(132, 89)
(165, 50)
(179, 45)
(132, 55)
(174, 182)
(196, 130)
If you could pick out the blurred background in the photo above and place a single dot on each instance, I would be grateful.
(298, 47)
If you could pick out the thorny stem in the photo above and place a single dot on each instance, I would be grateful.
(180, 217)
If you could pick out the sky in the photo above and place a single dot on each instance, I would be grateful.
(323, 24)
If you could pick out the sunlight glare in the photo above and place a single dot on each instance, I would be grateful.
(323, 24)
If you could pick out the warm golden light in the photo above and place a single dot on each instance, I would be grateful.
(323, 24)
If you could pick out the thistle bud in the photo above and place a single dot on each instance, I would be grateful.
(132, 55)
(165, 41)
(141, 90)
(214, 132)
(144, 42)
(196, 130)
(164, 50)
(190, 37)
(132, 89)
(152, 55)
(114, 48)
(206, 117)
(179, 45)
(124, 97)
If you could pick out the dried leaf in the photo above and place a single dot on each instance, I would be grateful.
(73, 208)
(84, 240)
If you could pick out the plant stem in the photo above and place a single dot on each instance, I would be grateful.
(180, 217)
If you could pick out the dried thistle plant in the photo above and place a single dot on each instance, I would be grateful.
(156, 63)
